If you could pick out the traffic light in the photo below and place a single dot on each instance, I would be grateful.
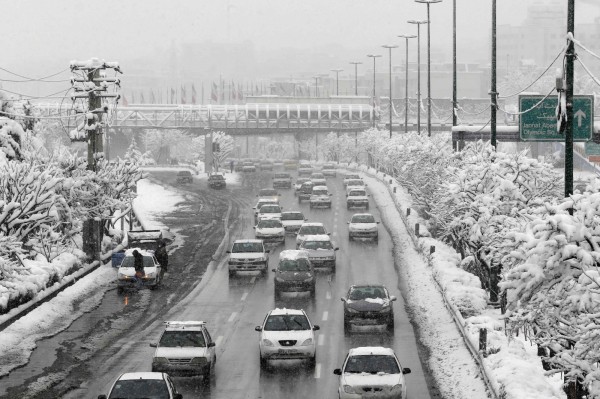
(216, 147)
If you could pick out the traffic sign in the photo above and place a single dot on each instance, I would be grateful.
(539, 124)
(592, 148)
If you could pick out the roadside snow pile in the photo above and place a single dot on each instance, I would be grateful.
(152, 202)
(35, 276)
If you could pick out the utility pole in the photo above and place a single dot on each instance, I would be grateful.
(493, 93)
(93, 86)
(418, 23)
(454, 82)
(406, 37)
(390, 47)
(374, 58)
(337, 80)
(356, 64)
(569, 100)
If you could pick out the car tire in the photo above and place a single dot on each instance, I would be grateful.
(350, 238)
(312, 362)
(206, 377)
(376, 239)
(231, 273)
(390, 324)
(346, 326)
(263, 363)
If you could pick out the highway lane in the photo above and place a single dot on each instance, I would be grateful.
(233, 307)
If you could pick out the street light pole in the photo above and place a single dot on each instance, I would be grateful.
(337, 80)
(374, 58)
(390, 47)
(454, 88)
(569, 71)
(356, 64)
(418, 23)
(428, 2)
(316, 86)
(493, 74)
(406, 37)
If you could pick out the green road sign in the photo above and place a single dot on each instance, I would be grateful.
(539, 124)
(592, 148)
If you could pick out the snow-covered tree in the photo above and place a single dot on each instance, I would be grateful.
(226, 145)
(11, 134)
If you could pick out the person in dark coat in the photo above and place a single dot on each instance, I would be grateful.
(138, 263)
(162, 256)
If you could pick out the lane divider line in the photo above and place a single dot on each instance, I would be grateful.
(321, 340)
(218, 341)
(244, 296)
(232, 317)
(325, 315)
(318, 370)
(328, 295)
(253, 280)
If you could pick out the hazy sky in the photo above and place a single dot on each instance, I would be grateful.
(40, 36)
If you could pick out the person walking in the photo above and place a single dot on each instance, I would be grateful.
(162, 256)
(138, 265)
(231, 166)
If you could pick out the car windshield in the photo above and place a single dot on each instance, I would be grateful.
(128, 261)
(352, 177)
(175, 339)
(311, 230)
(216, 177)
(263, 202)
(281, 176)
(294, 265)
(359, 293)
(317, 176)
(363, 219)
(316, 245)
(269, 224)
(247, 247)
(357, 193)
(287, 322)
(140, 388)
(292, 216)
(328, 166)
(184, 173)
(301, 181)
(320, 192)
(372, 364)
(356, 182)
(267, 192)
(270, 209)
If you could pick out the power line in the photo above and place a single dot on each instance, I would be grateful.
(530, 109)
(34, 79)
(28, 97)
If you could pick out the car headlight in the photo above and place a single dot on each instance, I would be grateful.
(349, 389)
(397, 388)
(308, 280)
(307, 342)
(279, 279)
(350, 310)
(160, 360)
(122, 276)
(266, 342)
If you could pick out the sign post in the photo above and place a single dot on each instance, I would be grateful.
(539, 124)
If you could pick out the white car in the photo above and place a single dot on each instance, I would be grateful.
(363, 225)
(249, 167)
(261, 202)
(304, 169)
(270, 230)
(269, 211)
(372, 369)
(318, 179)
(126, 271)
(143, 385)
(299, 182)
(287, 334)
(320, 197)
(357, 198)
(355, 183)
(329, 169)
(348, 177)
(269, 194)
(185, 348)
(292, 221)
(321, 252)
(248, 255)
(308, 229)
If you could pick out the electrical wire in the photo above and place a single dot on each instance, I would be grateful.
(539, 77)
(578, 43)
(595, 79)
(34, 79)
(32, 97)
(459, 108)
(530, 109)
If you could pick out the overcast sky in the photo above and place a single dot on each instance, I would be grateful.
(40, 36)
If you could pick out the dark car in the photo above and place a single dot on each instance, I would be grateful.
(368, 305)
(282, 180)
(184, 176)
(305, 191)
(294, 273)
(266, 165)
(216, 181)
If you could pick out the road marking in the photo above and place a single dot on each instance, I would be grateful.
(232, 317)
(321, 340)
(318, 370)
(218, 340)
(334, 233)
(328, 295)
(325, 315)
(252, 280)
(244, 296)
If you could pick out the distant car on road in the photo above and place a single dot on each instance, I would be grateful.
(290, 164)
(269, 211)
(320, 197)
(266, 165)
(184, 177)
(350, 176)
(282, 180)
(305, 191)
(304, 169)
(329, 169)
(294, 273)
(292, 221)
(248, 255)
(318, 179)
(260, 203)
(299, 182)
(185, 348)
(363, 226)
(216, 180)
(309, 229)
(369, 305)
(287, 334)
(268, 193)
(249, 166)
(357, 198)
(370, 371)
(143, 385)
